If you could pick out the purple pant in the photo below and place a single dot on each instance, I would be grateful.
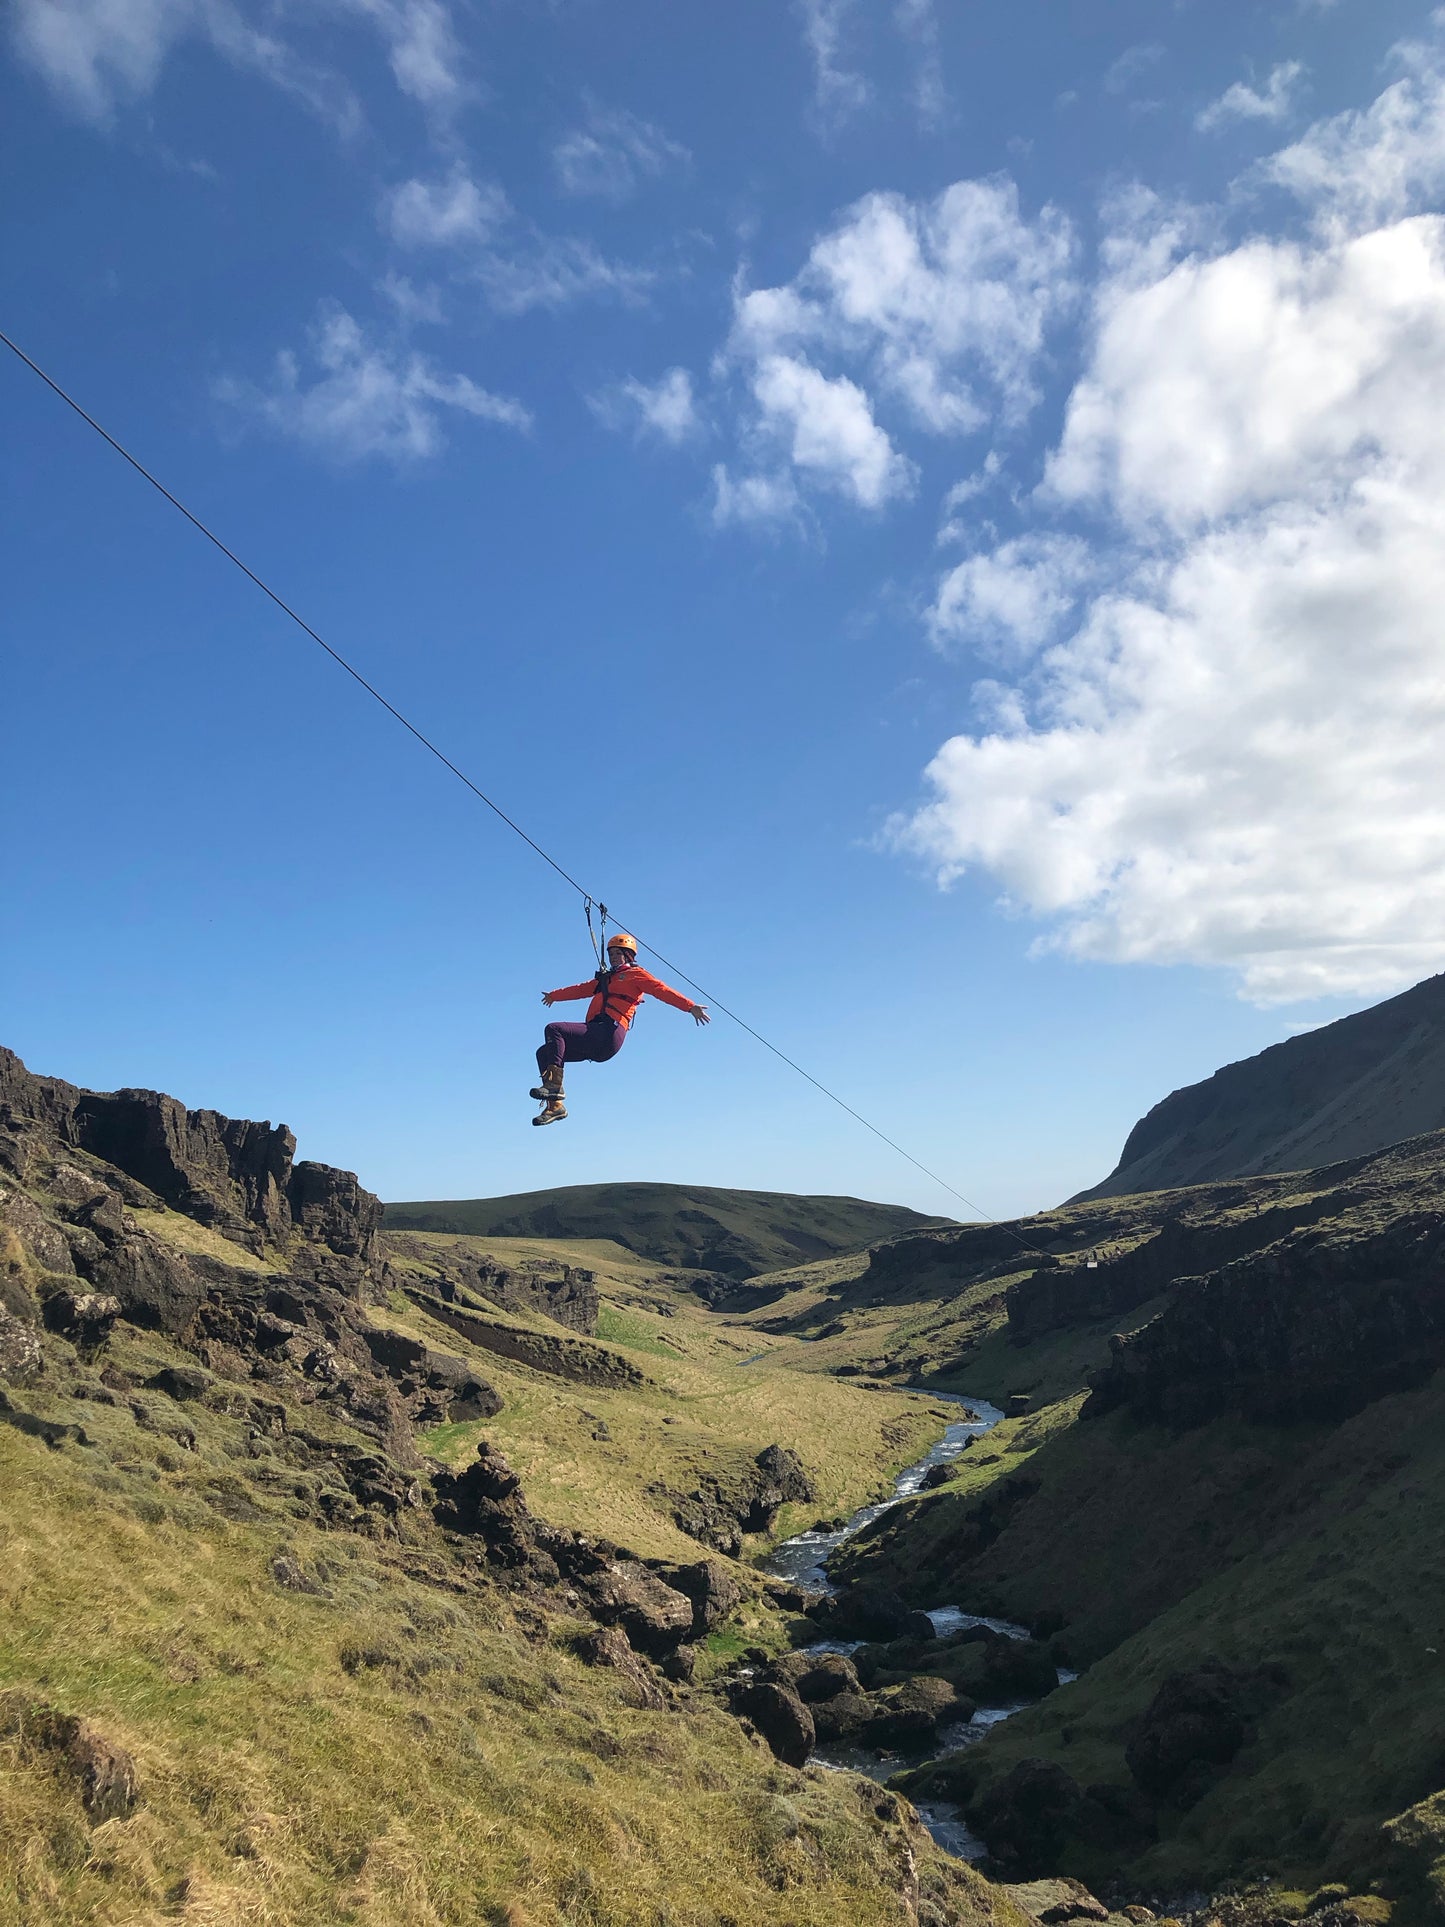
(590, 1043)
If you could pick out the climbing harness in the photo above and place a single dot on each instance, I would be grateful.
(482, 797)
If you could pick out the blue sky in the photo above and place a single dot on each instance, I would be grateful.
(930, 509)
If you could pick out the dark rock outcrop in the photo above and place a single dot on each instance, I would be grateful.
(1197, 1719)
(778, 1714)
(654, 1617)
(570, 1358)
(228, 1173)
(566, 1293)
(1314, 1327)
(712, 1590)
(608, 1646)
(1025, 1817)
(722, 1507)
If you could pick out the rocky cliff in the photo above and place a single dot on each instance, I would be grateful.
(1338, 1092)
(264, 1657)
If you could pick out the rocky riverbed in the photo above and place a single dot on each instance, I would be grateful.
(886, 1686)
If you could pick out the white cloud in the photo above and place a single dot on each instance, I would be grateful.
(1364, 167)
(1227, 754)
(517, 265)
(551, 271)
(937, 309)
(99, 55)
(829, 431)
(1275, 102)
(414, 306)
(425, 58)
(665, 408)
(838, 92)
(613, 153)
(365, 399)
(758, 499)
(1013, 597)
(918, 21)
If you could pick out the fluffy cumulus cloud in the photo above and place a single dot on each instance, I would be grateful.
(101, 54)
(1218, 740)
(517, 266)
(613, 153)
(935, 311)
(353, 397)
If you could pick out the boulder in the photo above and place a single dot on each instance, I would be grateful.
(844, 1717)
(1197, 1718)
(180, 1382)
(779, 1715)
(42, 1241)
(821, 1676)
(1024, 1817)
(84, 1317)
(866, 1612)
(680, 1664)
(712, 1590)
(1057, 1900)
(607, 1646)
(937, 1475)
(909, 1716)
(654, 1617)
(783, 1469)
(1016, 1669)
(21, 1358)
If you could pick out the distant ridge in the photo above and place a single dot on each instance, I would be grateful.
(1342, 1091)
(739, 1233)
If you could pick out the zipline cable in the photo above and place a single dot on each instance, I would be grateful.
(481, 795)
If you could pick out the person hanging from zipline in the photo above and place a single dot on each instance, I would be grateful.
(616, 991)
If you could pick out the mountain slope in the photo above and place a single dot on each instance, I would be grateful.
(1342, 1091)
(739, 1233)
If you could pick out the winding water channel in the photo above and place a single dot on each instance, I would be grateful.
(803, 1561)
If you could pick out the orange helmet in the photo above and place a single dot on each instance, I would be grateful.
(619, 940)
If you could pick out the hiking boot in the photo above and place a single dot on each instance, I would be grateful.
(552, 1112)
(544, 1093)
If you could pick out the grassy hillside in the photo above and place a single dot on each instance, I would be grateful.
(693, 1226)
(371, 1736)
(1287, 1522)
(1341, 1091)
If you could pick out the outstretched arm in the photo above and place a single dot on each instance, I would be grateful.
(665, 994)
(568, 992)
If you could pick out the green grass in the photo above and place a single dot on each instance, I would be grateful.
(409, 1747)
(699, 1226)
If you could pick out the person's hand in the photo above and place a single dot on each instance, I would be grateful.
(548, 999)
(699, 1014)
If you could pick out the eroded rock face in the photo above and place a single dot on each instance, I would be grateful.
(608, 1646)
(654, 1617)
(230, 1173)
(566, 1293)
(711, 1588)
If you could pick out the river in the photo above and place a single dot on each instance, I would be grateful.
(803, 1561)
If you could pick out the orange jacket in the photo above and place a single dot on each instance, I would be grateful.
(625, 991)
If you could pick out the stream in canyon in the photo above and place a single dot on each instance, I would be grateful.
(803, 1562)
